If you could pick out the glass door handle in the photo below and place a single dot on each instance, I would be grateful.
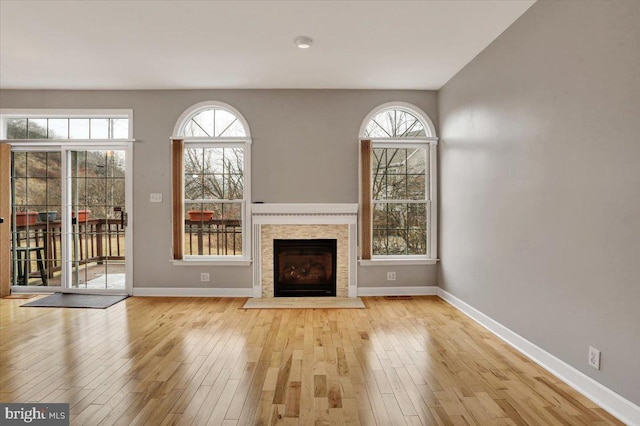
(123, 216)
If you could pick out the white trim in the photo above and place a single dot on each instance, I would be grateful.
(398, 291)
(66, 249)
(401, 142)
(192, 292)
(66, 113)
(433, 198)
(301, 209)
(400, 261)
(359, 240)
(257, 259)
(353, 257)
(201, 106)
(620, 407)
(293, 219)
(200, 142)
(214, 200)
(39, 143)
(212, 261)
(400, 201)
(402, 106)
(129, 211)
(27, 146)
(304, 214)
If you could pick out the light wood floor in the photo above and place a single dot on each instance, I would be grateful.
(203, 361)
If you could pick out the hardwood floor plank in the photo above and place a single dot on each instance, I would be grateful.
(292, 407)
(181, 361)
(224, 401)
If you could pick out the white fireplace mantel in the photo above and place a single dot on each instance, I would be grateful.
(304, 209)
(304, 214)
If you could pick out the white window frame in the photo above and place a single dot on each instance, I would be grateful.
(65, 113)
(429, 142)
(243, 142)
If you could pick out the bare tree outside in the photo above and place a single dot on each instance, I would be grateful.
(214, 173)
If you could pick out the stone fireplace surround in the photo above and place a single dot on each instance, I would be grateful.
(304, 221)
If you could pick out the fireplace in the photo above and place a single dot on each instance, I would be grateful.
(304, 267)
(299, 222)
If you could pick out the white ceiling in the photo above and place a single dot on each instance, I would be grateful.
(244, 44)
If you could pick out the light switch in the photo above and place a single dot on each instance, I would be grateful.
(155, 197)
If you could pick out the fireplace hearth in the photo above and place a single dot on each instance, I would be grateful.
(304, 267)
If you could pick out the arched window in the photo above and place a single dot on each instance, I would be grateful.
(211, 120)
(397, 120)
(211, 144)
(398, 184)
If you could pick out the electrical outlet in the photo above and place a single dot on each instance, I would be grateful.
(155, 197)
(204, 277)
(391, 276)
(594, 358)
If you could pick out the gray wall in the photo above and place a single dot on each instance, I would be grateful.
(540, 184)
(305, 150)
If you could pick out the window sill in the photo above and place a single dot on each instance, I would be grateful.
(398, 262)
(213, 261)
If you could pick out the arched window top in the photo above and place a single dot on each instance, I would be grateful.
(397, 120)
(211, 120)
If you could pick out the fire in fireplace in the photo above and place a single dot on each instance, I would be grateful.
(304, 267)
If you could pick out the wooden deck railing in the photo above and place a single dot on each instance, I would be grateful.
(98, 240)
(215, 237)
(95, 240)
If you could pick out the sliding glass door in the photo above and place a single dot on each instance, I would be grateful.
(36, 218)
(70, 220)
(97, 219)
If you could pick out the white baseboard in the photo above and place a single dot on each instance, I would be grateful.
(398, 291)
(615, 404)
(192, 292)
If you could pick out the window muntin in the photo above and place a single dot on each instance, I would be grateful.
(214, 173)
(215, 188)
(403, 144)
(213, 123)
(400, 173)
(67, 128)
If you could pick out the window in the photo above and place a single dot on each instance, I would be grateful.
(398, 170)
(67, 125)
(211, 187)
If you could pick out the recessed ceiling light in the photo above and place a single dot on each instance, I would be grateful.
(303, 42)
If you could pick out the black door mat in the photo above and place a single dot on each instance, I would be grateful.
(67, 300)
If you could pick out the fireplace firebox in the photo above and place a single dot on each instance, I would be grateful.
(304, 267)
